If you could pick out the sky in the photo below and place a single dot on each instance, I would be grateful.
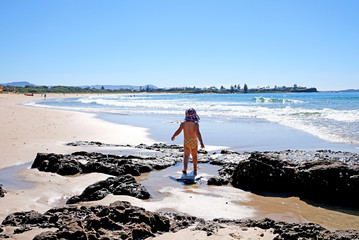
(175, 43)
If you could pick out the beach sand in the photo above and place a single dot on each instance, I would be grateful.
(27, 131)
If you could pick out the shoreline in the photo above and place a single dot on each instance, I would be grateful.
(29, 130)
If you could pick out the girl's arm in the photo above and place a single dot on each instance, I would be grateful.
(179, 130)
(199, 136)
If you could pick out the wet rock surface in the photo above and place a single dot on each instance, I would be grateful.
(327, 180)
(2, 191)
(84, 162)
(119, 220)
(120, 185)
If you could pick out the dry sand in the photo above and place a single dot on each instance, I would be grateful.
(26, 131)
(228, 232)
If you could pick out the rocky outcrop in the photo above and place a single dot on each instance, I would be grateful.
(180, 221)
(84, 162)
(330, 181)
(283, 230)
(91, 143)
(2, 191)
(120, 220)
(121, 185)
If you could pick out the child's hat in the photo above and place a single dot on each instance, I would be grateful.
(191, 115)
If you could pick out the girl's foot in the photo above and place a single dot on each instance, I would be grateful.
(195, 172)
(184, 172)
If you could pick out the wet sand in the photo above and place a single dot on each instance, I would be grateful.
(211, 202)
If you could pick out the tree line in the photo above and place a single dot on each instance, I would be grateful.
(232, 89)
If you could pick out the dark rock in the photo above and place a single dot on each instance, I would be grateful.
(31, 218)
(121, 185)
(180, 221)
(218, 181)
(22, 229)
(72, 168)
(283, 230)
(46, 236)
(227, 152)
(91, 143)
(2, 191)
(324, 180)
(120, 220)
(84, 162)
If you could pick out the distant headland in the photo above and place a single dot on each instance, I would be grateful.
(26, 87)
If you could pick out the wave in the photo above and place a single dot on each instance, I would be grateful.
(275, 100)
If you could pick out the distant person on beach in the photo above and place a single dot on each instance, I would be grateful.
(191, 133)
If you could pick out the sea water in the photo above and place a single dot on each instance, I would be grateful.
(275, 120)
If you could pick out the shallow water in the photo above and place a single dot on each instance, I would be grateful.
(11, 181)
(211, 202)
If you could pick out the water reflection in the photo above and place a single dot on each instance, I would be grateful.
(211, 202)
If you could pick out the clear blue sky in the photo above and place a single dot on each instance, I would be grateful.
(171, 43)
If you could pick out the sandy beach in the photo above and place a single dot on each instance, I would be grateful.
(27, 131)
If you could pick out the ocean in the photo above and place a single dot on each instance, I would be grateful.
(267, 121)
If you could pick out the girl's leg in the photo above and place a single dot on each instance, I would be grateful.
(194, 160)
(186, 154)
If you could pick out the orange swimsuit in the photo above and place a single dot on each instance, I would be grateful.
(190, 143)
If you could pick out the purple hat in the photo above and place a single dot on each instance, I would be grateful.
(191, 115)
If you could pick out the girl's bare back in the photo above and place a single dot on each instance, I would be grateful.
(190, 129)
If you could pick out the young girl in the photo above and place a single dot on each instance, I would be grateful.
(191, 133)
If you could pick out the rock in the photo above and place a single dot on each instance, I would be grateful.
(84, 162)
(2, 191)
(31, 218)
(22, 229)
(218, 181)
(180, 221)
(120, 220)
(283, 230)
(328, 181)
(46, 236)
(121, 185)
(91, 143)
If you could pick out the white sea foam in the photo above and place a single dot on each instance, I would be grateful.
(274, 100)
